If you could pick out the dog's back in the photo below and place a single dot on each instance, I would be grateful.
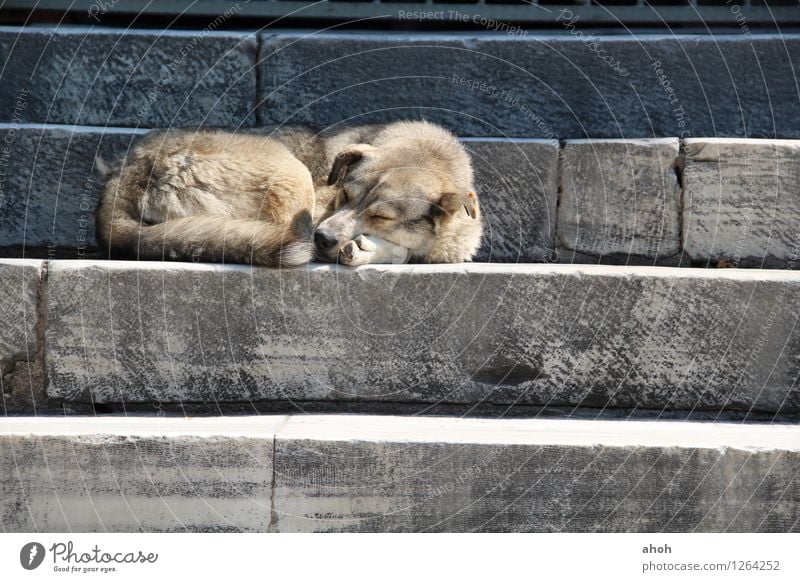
(215, 195)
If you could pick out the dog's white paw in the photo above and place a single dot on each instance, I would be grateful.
(359, 251)
(364, 250)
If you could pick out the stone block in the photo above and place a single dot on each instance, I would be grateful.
(21, 364)
(742, 201)
(127, 78)
(379, 474)
(569, 86)
(517, 181)
(542, 335)
(136, 474)
(620, 197)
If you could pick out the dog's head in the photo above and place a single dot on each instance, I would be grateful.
(414, 190)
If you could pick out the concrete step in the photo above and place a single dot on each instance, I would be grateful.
(577, 84)
(539, 335)
(638, 201)
(346, 473)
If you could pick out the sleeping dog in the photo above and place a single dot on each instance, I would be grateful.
(374, 194)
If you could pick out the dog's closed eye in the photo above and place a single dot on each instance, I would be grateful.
(381, 212)
(380, 217)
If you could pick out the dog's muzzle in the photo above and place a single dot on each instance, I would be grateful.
(326, 244)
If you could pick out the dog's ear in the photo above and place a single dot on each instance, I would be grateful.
(452, 202)
(343, 159)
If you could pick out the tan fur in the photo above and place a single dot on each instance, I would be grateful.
(235, 197)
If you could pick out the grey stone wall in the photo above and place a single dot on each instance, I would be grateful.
(575, 85)
(619, 207)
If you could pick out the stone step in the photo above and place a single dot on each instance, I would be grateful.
(52, 185)
(135, 78)
(364, 473)
(638, 201)
(537, 335)
(579, 84)
(576, 84)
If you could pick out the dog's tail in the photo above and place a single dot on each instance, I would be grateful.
(205, 238)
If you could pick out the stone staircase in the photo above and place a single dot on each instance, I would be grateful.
(586, 374)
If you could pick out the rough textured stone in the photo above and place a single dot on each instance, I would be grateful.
(21, 366)
(742, 201)
(540, 86)
(412, 475)
(511, 334)
(367, 473)
(19, 281)
(129, 474)
(620, 197)
(51, 186)
(517, 182)
(93, 76)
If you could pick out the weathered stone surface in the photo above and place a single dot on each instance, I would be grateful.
(512, 334)
(620, 197)
(567, 86)
(135, 474)
(367, 473)
(19, 281)
(52, 185)
(20, 365)
(414, 474)
(742, 201)
(517, 182)
(92, 76)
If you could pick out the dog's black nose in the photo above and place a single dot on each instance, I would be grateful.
(325, 241)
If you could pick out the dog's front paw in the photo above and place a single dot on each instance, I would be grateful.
(370, 249)
(359, 251)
